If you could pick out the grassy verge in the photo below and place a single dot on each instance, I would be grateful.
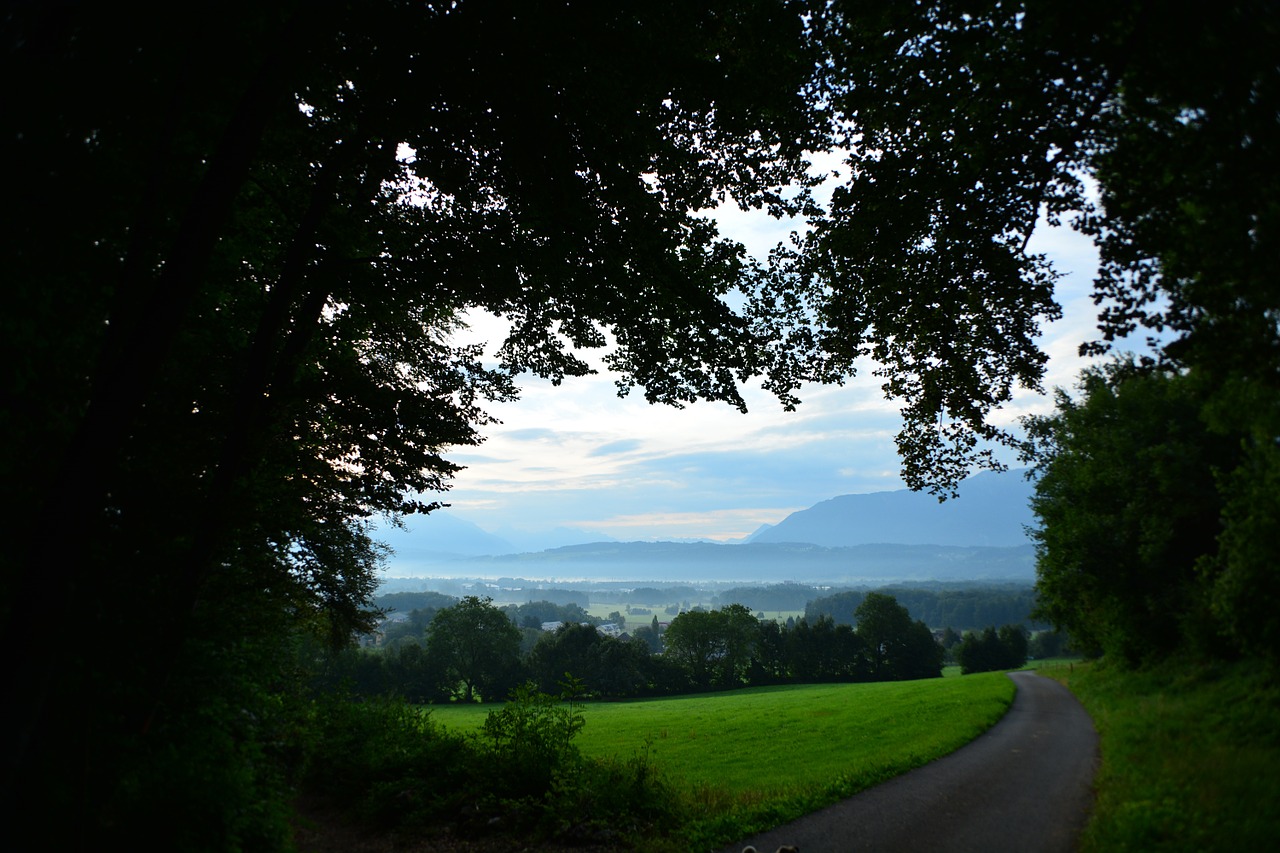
(1190, 756)
(751, 759)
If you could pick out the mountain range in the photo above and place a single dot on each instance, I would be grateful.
(764, 562)
(894, 535)
(990, 509)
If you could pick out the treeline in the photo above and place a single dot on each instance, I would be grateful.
(475, 650)
(963, 609)
(1159, 516)
(529, 617)
(990, 650)
(783, 596)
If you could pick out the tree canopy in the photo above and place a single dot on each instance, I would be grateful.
(477, 647)
(1136, 546)
(240, 251)
(898, 648)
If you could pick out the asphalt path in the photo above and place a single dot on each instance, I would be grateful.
(1024, 785)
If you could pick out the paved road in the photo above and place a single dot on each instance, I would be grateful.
(1025, 785)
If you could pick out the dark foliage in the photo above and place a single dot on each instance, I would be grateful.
(227, 335)
(1157, 501)
(700, 650)
(898, 649)
(477, 648)
(990, 650)
(1130, 509)
(405, 602)
(1050, 644)
(386, 765)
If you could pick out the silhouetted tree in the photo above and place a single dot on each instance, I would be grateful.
(1128, 503)
(897, 648)
(991, 650)
(475, 645)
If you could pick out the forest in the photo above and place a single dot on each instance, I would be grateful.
(958, 607)
(228, 336)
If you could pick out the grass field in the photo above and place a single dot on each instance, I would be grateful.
(1190, 752)
(1190, 756)
(751, 759)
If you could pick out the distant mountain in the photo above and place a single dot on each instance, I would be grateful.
(442, 536)
(753, 535)
(884, 536)
(542, 540)
(755, 562)
(991, 510)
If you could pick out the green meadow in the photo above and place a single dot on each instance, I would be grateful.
(745, 760)
(1190, 755)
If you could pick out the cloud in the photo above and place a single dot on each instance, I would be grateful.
(475, 459)
(533, 434)
(626, 445)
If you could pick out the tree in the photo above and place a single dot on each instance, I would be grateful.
(991, 650)
(415, 674)
(626, 667)
(534, 613)
(695, 641)
(474, 644)
(715, 647)
(1049, 644)
(970, 125)
(770, 664)
(966, 127)
(741, 631)
(1128, 504)
(823, 651)
(1245, 592)
(410, 630)
(240, 253)
(573, 649)
(1014, 641)
(898, 649)
(650, 635)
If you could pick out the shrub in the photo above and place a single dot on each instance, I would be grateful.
(390, 766)
(388, 763)
(531, 739)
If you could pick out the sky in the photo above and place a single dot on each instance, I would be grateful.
(577, 456)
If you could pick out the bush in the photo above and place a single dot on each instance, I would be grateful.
(390, 766)
(388, 763)
(531, 738)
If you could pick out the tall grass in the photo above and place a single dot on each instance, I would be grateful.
(750, 759)
(1190, 755)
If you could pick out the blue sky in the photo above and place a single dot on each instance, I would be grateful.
(577, 456)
